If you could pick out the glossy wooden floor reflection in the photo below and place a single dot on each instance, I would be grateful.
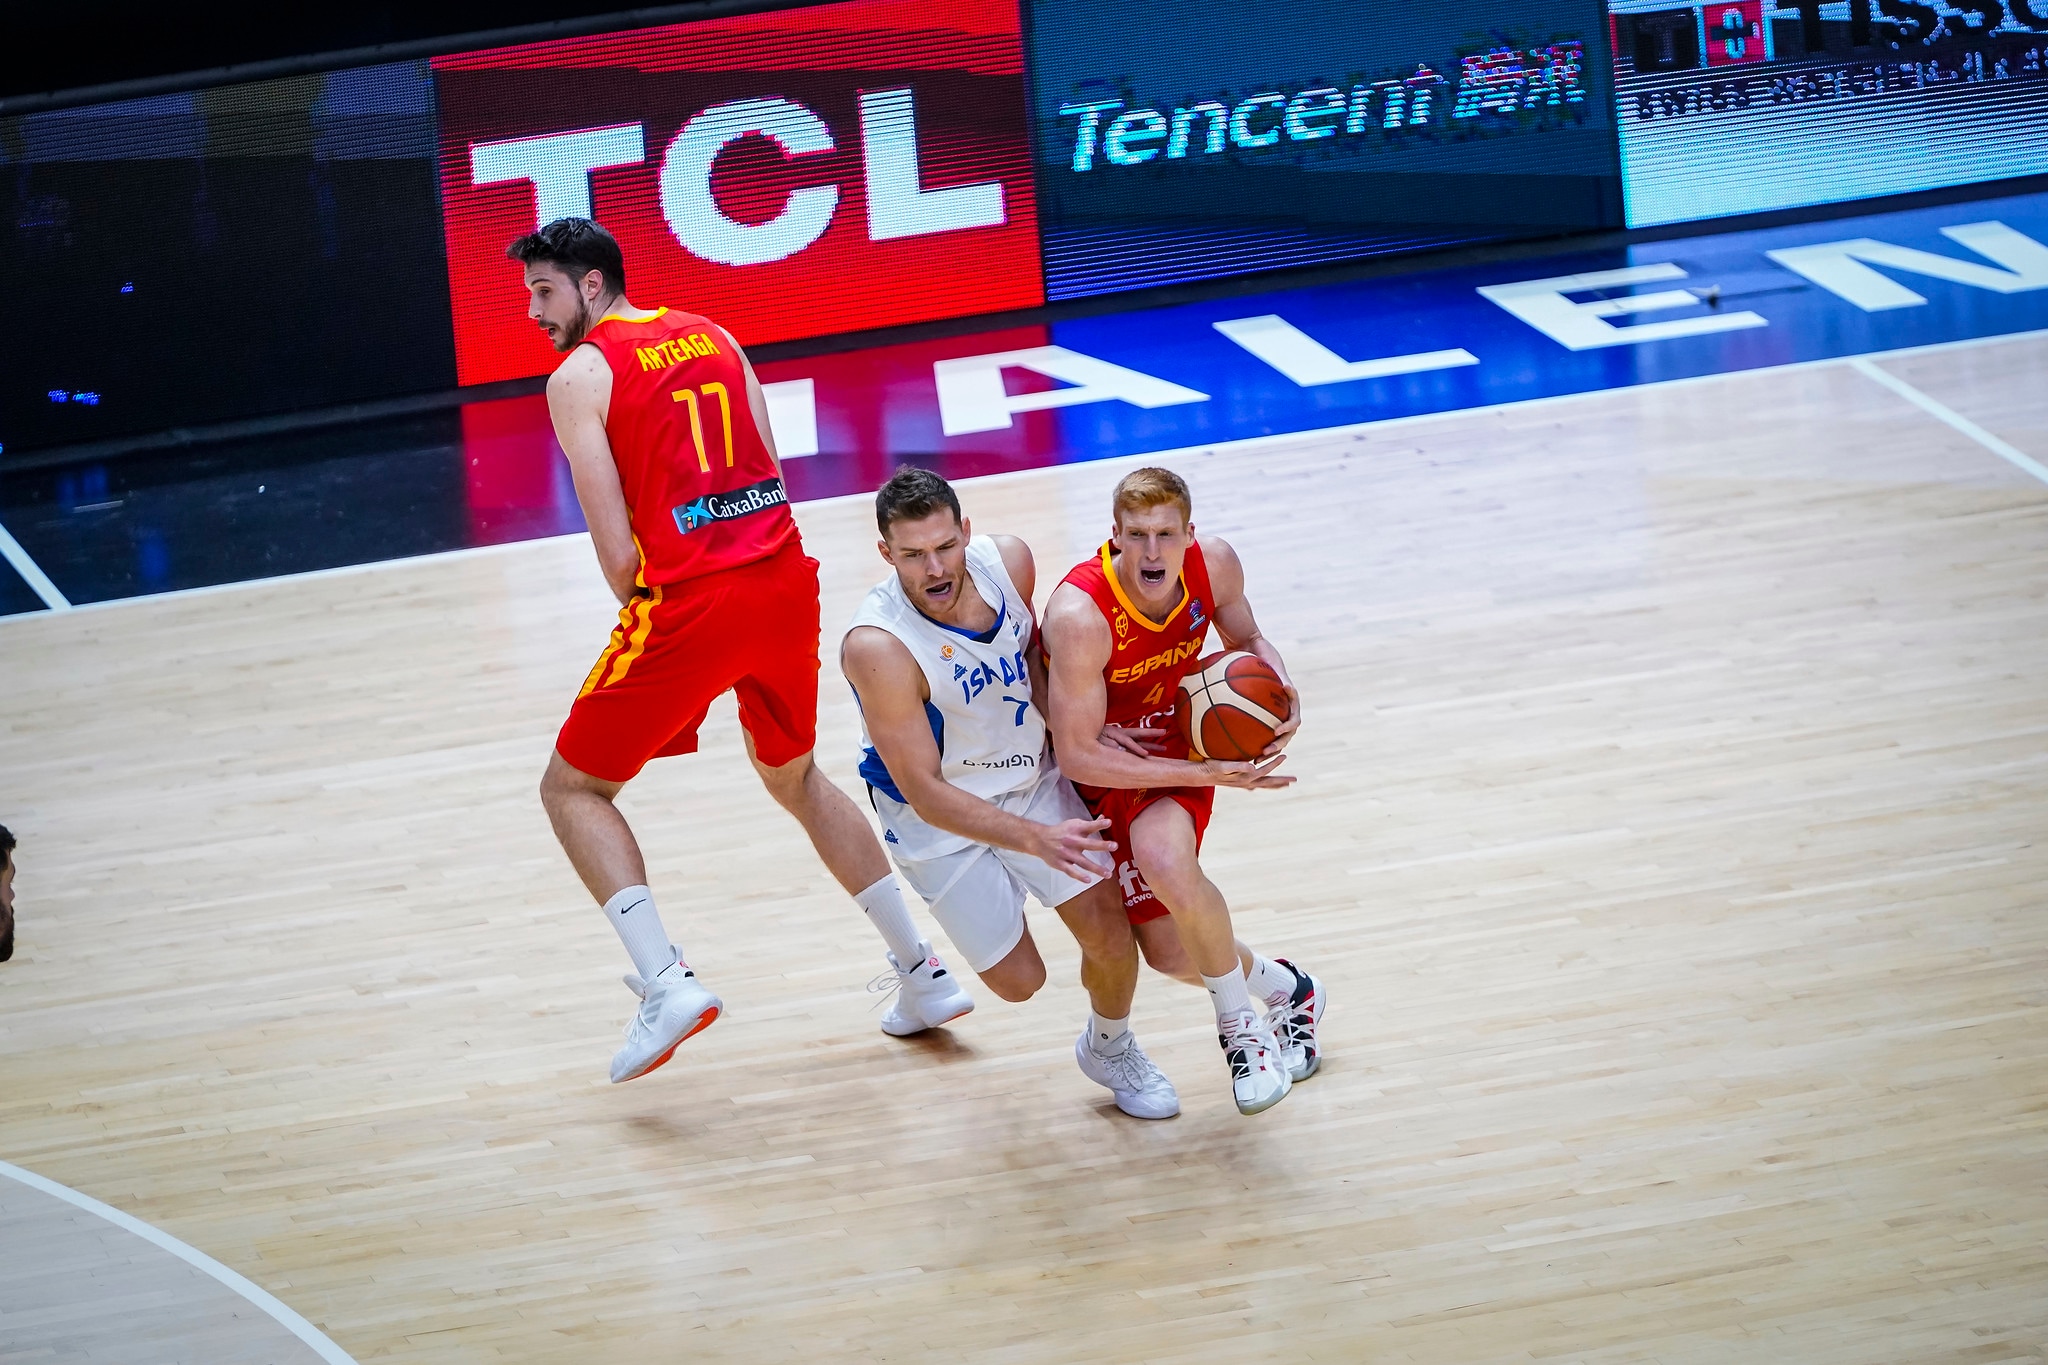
(1670, 831)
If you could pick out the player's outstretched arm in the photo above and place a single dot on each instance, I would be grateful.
(1078, 646)
(892, 693)
(579, 395)
(1234, 622)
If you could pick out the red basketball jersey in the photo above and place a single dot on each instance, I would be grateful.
(1147, 657)
(700, 486)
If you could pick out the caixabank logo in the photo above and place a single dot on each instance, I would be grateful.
(789, 174)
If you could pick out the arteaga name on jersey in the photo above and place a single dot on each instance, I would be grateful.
(675, 351)
(1186, 649)
(740, 502)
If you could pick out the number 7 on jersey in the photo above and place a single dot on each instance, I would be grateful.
(697, 425)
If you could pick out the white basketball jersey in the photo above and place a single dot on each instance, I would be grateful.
(991, 738)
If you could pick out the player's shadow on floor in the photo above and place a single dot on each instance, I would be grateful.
(940, 1044)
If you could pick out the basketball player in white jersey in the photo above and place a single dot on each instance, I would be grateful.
(944, 661)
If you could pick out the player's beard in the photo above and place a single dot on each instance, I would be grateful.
(573, 332)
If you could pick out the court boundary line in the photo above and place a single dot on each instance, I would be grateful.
(1239, 445)
(1942, 412)
(192, 1256)
(32, 574)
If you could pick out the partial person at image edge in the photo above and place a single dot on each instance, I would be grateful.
(6, 894)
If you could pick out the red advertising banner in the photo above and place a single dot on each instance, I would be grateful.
(789, 174)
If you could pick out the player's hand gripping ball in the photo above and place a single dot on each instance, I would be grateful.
(1230, 705)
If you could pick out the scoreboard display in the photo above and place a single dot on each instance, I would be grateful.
(1749, 105)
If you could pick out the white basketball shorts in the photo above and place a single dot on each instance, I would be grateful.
(977, 893)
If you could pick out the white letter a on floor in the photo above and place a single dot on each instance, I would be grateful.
(972, 398)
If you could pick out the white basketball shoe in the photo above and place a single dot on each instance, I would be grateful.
(927, 996)
(1258, 1078)
(674, 1006)
(1141, 1089)
(1294, 1024)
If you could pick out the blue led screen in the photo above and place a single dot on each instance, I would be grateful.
(1198, 138)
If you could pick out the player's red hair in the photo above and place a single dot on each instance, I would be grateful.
(1151, 487)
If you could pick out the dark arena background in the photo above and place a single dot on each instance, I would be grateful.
(1629, 417)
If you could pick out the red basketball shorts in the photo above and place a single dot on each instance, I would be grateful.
(752, 630)
(1123, 805)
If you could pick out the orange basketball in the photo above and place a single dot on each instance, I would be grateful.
(1229, 706)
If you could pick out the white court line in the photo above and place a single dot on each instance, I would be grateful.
(1238, 446)
(11, 551)
(198, 1260)
(1941, 411)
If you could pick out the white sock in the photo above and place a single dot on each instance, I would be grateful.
(1107, 1035)
(1270, 981)
(885, 909)
(633, 915)
(1227, 994)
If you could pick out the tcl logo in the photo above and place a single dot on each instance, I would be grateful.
(558, 166)
(796, 173)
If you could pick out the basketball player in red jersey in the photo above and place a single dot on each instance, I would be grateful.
(1119, 632)
(667, 434)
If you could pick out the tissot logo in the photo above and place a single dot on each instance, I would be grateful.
(796, 173)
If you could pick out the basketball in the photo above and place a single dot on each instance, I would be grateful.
(1229, 706)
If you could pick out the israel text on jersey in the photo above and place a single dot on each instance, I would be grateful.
(978, 678)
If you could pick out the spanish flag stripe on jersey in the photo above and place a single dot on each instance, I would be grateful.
(638, 643)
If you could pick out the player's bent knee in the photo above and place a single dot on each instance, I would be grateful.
(1018, 976)
(1097, 921)
(788, 783)
(562, 781)
(1174, 881)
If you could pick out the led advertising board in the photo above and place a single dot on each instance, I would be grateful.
(1186, 139)
(1750, 105)
(220, 254)
(790, 174)
(338, 237)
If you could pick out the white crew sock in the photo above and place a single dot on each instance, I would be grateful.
(1270, 981)
(885, 909)
(633, 915)
(1107, 1036)
(1227, 994)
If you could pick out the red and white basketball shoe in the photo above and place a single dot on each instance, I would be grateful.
(1294, 1024)
(1258, 1078)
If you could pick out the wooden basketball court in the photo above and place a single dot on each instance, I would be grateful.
(1670, 832)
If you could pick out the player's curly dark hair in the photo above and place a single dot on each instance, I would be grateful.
(912, 494)
(575, 246)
